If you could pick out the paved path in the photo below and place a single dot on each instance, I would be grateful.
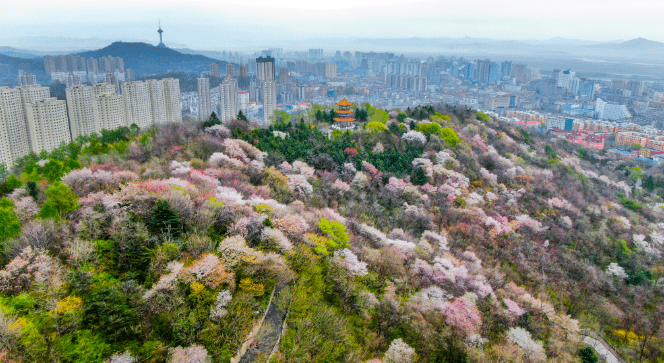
(269, 333)
(601, 349)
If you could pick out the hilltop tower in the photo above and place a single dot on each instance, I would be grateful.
(161, 42)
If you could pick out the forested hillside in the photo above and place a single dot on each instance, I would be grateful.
(436, 234)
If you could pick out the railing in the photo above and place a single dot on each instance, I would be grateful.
(609, 347)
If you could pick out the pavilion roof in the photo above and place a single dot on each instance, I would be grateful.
(344, 102)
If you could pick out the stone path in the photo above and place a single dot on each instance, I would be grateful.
(269, 333)
(601, 349)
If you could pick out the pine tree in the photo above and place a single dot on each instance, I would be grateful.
(164, 220)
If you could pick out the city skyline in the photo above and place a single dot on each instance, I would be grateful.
(292, 22)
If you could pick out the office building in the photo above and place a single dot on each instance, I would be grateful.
(48, 125)
(269, 101)
(265, 68)
(136, 97)
(204, 100)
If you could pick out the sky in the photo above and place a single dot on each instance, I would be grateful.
(219, 24)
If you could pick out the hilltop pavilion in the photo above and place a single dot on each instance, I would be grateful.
(344, 119)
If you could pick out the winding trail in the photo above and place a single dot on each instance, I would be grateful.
(269, 334)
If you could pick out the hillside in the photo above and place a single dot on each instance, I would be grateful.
(9, 66)
(437, 234)
(147, 59)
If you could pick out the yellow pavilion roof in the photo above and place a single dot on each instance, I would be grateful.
(339, 119)
(344, 102)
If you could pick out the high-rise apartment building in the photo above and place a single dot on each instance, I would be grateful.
(157, 101)
(48, 125)
(243, 102)
(93, 65)
(172, 100)
(505, 69)
(230, 70)
(214, 70)
(26, 79)
(265, 68)
(269, 101)
(482, 70)
(228, 105)
(5, 150)
(83, 113)
(111, 111)
(242, 70)
(204, 100)
(610, 111)
(16, 128)
(136, 97)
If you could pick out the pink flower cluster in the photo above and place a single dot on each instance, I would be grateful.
(218, 130)
(84, 181)
(479, 143)
(199, 176)
(499, 223)
(463, 314)
(28, 268)
(341, 185)
(396, 185)
(371, 171)
(525, 220)
(293, 225)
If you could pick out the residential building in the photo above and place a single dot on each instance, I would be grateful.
(48, 125)
(265, 68)
(243, 102)
(172, 100)
(83, 112)
(138, 110)
(228, 95)
(269, 101)
(157, 101)
(204, 100)
(214, 70)
(610, 111)
(27, 79)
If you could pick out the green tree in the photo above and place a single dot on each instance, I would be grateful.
(375, 126)
(636, 173)
(587, 355)
(164, 220)
(401, 116)
(241, 116)
(53, 170)
(336, 232)
(60, 201)
(213, 120)
(9, 223)
(419, 176)
(450, 136)
(482, 116)
(649, 183)
(429, 128)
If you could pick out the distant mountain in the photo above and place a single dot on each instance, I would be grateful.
(20, 53)
(638, 44)
(9, 66)
(66, 45)
(147, 59)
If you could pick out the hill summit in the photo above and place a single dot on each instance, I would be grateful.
(148, 59)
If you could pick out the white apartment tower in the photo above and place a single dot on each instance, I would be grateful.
(111, 111)
(172, 100)
(228, 105)
(16, 127)
(243, 102)
(269, 101)
(204, 100)
(83, 113)
(137, 104)
(5, 149)
(47, 124)
(265, 68)
(157, 101)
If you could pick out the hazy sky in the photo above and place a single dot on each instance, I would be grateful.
(214, 24)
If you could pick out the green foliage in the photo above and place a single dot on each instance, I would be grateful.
(84, 346)
(481, 116)
(375, 126)
(438, 117)
(636, 173)
(450, 136)
(649, 183)
(429, 128)
(402, 116)
(9, 223)
(629, 203)
(583, 153)
(164, 220)
(213, 120)
(12, 182)
(380, 116)
(59, 202)
(419, 176)
(550, 152)
(336, 233)
(587, 355)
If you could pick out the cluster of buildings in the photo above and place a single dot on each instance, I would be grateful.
(74, 70)
(33, 121)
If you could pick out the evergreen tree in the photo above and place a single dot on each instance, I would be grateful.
(419, 176)
(213, 120)
(241, 116)
(9, 223)
(587, 355)
(164, 220)
(649, 183)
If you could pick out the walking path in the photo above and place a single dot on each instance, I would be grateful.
(602, 348)
(269, 334)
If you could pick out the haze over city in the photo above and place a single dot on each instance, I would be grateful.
(213, 25)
